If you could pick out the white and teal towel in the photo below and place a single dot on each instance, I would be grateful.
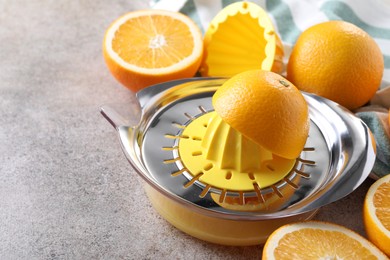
(292, 17)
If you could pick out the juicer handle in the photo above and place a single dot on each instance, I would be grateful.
(113, 117)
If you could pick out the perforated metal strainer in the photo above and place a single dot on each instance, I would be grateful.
(337, 158)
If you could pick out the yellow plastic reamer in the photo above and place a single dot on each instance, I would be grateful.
(221, 157)
(241, 37)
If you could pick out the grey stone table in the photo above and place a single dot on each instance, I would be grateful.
(66, 190)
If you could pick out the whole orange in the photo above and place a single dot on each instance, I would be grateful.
(266, 108)
(337, 60)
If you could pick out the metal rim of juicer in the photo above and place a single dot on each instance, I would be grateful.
(339, 152)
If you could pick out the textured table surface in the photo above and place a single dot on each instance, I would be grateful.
(67, 191)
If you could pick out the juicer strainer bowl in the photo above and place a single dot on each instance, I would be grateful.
(338, 156)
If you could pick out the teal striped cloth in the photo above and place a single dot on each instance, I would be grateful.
(292, 17)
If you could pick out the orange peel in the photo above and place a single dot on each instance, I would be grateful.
(266, 108)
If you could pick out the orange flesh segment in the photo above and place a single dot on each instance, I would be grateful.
(382, 204)
(348, 248)
(158, 44)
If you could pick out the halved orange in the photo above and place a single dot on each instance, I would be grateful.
(376, 213)
(267, 109)
(146, 47)
(318, 240)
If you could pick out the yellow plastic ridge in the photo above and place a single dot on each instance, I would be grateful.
(219, 156)
(241, 37)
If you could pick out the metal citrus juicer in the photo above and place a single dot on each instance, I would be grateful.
(212, 183)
